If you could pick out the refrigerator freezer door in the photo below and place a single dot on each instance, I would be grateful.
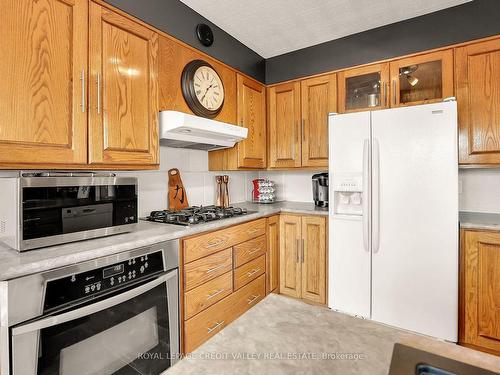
(415, 223)
(349, 245)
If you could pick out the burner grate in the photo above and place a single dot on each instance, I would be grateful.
(195, 215)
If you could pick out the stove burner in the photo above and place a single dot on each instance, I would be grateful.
(195, 215)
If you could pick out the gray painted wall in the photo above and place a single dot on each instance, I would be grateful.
(469, 21)
(178, 20)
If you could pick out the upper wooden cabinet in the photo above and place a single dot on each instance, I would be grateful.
(422, 79)
(364, 88)
(477, 77)
(480, 290)
(43, 115)
(284, 126)
(318, 99)
(123, 127)
(252, 115)
(298, 122)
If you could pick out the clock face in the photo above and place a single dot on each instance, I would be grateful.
(202, 89)
(208, 88)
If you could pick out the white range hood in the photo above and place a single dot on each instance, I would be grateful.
(183, 130)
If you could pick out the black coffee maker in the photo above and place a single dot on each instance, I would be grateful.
(320, 189)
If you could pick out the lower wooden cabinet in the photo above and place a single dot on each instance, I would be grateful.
(480, 290)
(303, 257)
(212, 320)
(273, 253)
(223, 274)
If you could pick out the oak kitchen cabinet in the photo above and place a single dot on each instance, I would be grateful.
(298, 122)
(223, 274)
(480, 290)
(273, 252)
(477, 77)
(303, 257)
(43, 110)
(123, 107)
(421, 79)
(364, 88)
(43, 96)
(250, 153)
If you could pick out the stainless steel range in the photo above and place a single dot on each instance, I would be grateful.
(196, 215)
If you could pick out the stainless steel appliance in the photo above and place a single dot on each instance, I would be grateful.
(40, 209)
(320, 189)
(196, 215)
(113, 315)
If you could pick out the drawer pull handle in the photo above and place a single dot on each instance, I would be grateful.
(216, 325)
(254, 251)
(210, 270)
(216, 293)
(253, 272)
(253, 299)
(251, 231)
(214, 244)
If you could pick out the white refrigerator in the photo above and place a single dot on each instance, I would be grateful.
(393, 221)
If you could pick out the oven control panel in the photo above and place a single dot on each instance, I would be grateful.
(90, 284)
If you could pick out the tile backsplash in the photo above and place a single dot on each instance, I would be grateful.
(479, 190)
(198, 181)
(295, 186)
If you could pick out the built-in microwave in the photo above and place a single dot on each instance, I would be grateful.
(39, 209)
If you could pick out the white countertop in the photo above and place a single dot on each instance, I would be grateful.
(479, 220)
(14, 264)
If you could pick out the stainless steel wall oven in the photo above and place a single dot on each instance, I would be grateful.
(114, 315)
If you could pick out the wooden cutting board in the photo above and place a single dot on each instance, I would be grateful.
(177, 198)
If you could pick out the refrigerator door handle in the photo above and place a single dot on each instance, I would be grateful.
(366, 195)
(376, 195)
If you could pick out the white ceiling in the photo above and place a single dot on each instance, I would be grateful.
(274, 27)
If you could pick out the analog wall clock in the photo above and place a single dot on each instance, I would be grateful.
(202, 89)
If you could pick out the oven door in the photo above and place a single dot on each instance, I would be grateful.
(133, 332)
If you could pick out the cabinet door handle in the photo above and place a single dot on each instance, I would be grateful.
(214, 294)
(394, 88)
(82, 79)
(210, 270)
(303, 129)
(302, 252)
(98, 82)
(253, 272)
(253, 299)
(297, 249)
(215, 326)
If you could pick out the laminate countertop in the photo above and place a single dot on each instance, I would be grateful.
(14, 264)
(479, 220)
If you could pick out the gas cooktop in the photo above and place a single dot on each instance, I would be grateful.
(196, 215)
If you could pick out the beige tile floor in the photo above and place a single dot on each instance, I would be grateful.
(285, 336)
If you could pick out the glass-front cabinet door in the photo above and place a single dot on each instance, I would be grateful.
(364, 88)
(422, 79)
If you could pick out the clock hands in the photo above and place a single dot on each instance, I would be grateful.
(206, 92)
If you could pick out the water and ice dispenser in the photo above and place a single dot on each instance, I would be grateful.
(347, 194)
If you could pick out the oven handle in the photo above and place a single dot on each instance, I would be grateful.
(91, 309)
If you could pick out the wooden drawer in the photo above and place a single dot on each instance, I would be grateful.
(208, 268)
(249, 271)
(207, 323)
(249, 250)
(198, 299)
(206, 244)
